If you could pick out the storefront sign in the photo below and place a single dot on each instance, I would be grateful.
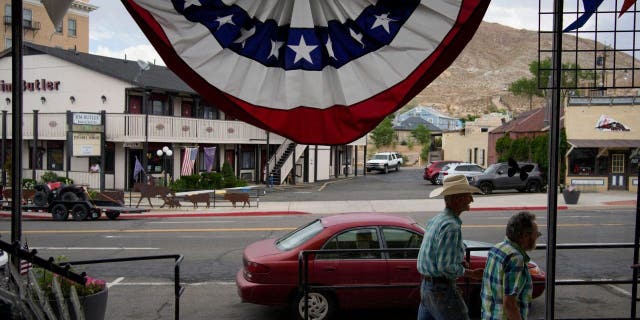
(87, 118)
(36, 85)
(86, 144)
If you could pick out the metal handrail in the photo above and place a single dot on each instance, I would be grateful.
(303, 268)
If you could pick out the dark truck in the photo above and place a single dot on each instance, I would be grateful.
(61, 200)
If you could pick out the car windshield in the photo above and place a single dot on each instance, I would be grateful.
(492, 168)
(299, 236)
(380, 157)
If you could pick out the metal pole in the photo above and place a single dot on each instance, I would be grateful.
(554, 141)
(4, 147)
(34, 148)
(103, 138)
(16, 129)
(636, 245)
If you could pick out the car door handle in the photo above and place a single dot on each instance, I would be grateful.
(329, 269)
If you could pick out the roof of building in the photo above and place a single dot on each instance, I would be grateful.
(158, 77)
(529, 121)
(413, 122)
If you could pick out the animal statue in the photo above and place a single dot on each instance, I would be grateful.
(26, 195)
(198, 197)
(238, 197)
(151, 191)
(172, 202)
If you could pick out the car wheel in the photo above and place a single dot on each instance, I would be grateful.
(321, 305)
(486, 187)
(40, 198)
(59, 212)
(79, 212)
(533, 186)
(434, 181)
(386, 169)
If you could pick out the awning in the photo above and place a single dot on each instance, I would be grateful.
(598, 143)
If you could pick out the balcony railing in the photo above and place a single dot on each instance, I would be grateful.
(26, 24)
(131, 128)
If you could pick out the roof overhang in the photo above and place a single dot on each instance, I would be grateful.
(599, 143)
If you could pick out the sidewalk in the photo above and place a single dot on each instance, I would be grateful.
(495, 202)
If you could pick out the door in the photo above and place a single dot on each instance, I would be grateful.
(617, 177)
(402, 266)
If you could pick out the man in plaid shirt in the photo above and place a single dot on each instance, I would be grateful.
(441, 255)
(506, 284)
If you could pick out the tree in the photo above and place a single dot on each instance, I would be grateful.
(503, 148)
(382, 135)
(422, 134)
(526, 87)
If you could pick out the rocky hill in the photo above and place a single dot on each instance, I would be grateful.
(496, 56)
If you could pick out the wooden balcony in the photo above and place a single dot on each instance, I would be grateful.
(168, 129)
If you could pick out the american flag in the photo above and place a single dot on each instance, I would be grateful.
(189, 159)
(25, 265)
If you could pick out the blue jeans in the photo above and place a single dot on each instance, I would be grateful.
(440, 301)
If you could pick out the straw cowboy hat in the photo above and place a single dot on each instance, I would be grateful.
(453, 185)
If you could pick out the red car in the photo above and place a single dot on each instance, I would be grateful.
(433, 169)
(269, 275)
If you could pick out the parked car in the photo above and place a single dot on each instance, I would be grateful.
(400, 158)
(496, 177)
(464, 168)
(384, 161)
(270, 274)
(433, 169)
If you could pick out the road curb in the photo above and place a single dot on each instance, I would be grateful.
(516, 208)
(133, 216)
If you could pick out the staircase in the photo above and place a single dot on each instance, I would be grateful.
(278, 161)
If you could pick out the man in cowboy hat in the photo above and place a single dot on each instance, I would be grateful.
(441, 256)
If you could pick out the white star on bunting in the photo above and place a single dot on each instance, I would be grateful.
(329, 46)
(356, 36)
(225, 20)
(189, 3)
(382, 20)
(244, 35)
(302, 50)
(275, 49)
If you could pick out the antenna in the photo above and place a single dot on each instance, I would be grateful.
(144, 66)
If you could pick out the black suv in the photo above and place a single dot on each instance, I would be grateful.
(496, 177)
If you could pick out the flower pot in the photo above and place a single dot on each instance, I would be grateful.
(94, 306)
(571, 197)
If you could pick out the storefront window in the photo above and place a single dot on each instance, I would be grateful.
(248, 159)
(55, 156)
(583, 161)
(94, 162)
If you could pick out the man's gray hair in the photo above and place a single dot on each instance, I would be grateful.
(520, 224)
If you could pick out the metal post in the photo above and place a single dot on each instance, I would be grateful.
(16, 129)
(3, 153)
(103, 138)
(554, 141)
(34, 148)
(636, 245)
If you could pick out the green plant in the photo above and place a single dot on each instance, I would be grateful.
(49, 176)
(229, 178)
(45, 278)
(28, 184)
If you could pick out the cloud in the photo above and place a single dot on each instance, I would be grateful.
(144, 52)
(512, 16)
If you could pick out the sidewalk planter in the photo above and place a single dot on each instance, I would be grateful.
(571, 197)
(94, 306)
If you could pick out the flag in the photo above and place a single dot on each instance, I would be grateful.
(590, 7)
(189, 159)
(625, 6)
(338, 72)
(137, 169)
(209, 155)
(25, 265)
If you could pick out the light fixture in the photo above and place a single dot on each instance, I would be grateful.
(43, 100)
(103, 98)
(165, 149)
(72, 99)
(7, 100)
(159, 153)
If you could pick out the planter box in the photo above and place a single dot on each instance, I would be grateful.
(571, 197)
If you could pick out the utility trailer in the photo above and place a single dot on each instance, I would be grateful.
(61, 200)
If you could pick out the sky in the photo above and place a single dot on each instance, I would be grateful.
(113, 32)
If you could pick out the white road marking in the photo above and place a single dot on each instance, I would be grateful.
(95, 248)
(115, 282)
(618, 289)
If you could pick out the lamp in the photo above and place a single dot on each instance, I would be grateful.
(72, 99)
(43, 100)
(7, 100)
(103, 98)
(165, 152)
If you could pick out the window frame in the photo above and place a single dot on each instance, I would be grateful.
(72, 27)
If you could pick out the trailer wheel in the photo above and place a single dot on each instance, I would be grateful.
(113, 215)
(40, 199)
(79, 212)
(95, 214)
(59, 212)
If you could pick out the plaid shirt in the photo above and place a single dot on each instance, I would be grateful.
(442, 251)
(507, 273)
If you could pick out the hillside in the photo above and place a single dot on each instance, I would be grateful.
(480, 76)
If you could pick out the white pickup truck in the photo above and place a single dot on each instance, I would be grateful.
(384, 161)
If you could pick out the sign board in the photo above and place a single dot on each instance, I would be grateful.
(86, 144)
(86, 128)
(80, 118)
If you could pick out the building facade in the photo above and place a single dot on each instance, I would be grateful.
(37, 28)
(143, 108)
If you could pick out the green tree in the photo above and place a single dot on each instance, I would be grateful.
(422, 134)
(503, 148)
(526, 87)
(383, 134)
(520, 149)
(228, 177)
